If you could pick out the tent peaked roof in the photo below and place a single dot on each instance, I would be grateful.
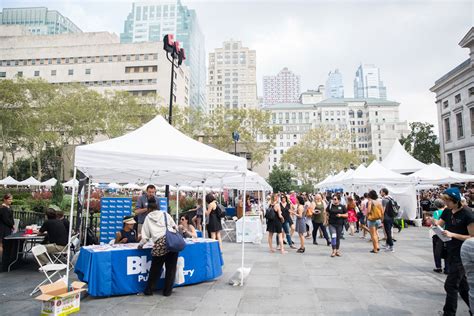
(434, 174)
(9, 181)
(158, 153)
(49, 183)
(70, 183)
(30, 181)
(399, 160)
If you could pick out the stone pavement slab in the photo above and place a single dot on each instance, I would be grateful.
(358, 283)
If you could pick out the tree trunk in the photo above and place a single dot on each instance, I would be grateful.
(15, 168)
(38, 165)
(4, 153)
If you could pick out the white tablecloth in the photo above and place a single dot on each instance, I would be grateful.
(253, 229)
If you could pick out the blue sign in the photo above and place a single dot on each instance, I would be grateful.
(112, 212)
(163, 204)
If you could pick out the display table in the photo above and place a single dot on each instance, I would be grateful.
(15, 245)
(123, 269)
(253, 229)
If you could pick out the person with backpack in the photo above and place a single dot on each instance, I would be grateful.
(275, 223)
(389, 214)
(374, 218)
(215, 226)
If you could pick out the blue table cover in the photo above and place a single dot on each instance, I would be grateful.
(125, 271)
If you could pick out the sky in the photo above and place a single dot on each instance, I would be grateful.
(413, 43)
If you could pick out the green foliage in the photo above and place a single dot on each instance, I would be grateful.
(305, 187)
(65, 204)
(280, 180)
(422, 143)
(321, 151)
(186, 203)
(39, 205)
(58, 194)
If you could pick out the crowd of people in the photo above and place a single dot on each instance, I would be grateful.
(330, 215)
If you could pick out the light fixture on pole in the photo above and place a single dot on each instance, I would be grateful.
(175, 54)
(235, 137)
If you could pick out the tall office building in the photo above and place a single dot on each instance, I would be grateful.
(282, 88)
(334, 85)
(95, 60)
(367, 83)
(38, 21)
(232, 77)
(150, 22)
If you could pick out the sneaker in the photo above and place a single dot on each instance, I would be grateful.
(438, 270)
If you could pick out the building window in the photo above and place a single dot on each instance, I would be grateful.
(70, 72)
(53, 72)
(471, 111)
(37, 73)
(88, 71)
(459, 125)
(450, 161)
(3, 74)
(445, 104)
(462, 161)
(457, 98)
(19, 74)
(447, 129)
(471, 91)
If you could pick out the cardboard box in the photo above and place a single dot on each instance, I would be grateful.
(56, 299)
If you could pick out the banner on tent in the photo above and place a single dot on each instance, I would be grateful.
(112, 212)
(163, 204)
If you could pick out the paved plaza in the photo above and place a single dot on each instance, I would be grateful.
(358, 283)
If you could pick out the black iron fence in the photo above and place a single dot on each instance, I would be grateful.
(30, 218)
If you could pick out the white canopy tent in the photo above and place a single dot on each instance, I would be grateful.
(30, 181)
(156, 153)
(326, 180)
(114, 185)
(375, 173)
(9, 181)
(399, 160)
(132, 186)
(434, 174)
(71, 183)
(49, 183)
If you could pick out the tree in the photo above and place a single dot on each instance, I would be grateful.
(321, 151)
(422, 143)
(280, 179)
(58, 193)
(250, 123)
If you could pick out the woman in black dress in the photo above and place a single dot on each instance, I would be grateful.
(6, 219)
(275, 224)
(215, 225)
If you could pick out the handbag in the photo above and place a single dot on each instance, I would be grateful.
(159, 247)
(375, 213)
(174, 240)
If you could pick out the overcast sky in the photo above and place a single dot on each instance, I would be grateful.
(412, 42)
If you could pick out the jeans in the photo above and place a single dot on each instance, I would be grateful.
(286, 229)
(438, 246)
(336, 233)
(455, 283)
(467, 256)
(317, 226)
(170, 260)
(387, 226)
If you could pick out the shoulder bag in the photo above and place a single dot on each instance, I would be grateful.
(174, 240)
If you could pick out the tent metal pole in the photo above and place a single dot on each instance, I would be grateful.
(71, 214)
(177, 204)
(87, 212)
(243, 230)
(204, 212)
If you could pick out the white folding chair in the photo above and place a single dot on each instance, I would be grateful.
(58, 257)
(50, 269)
(227, 231)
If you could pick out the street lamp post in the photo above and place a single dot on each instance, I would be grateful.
(175, 55)
(235, 137)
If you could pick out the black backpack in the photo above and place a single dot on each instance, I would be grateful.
(270, 213)
(220, 211)
(392, 209)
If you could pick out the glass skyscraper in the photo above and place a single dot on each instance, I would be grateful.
(367, 83)
(150, 21)
(334, 85)
(38, 21)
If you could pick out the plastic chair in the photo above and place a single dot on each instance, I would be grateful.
(57, 256)
(48, 268)
(227, 231)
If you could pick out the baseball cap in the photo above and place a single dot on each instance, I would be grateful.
(453, 193)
